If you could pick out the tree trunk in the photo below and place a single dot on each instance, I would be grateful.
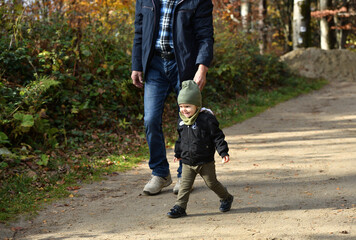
(245, 10)
(341, 34)
(262, 12)
(285, 9)
(288, 32)
(301, 22)
(325, 35)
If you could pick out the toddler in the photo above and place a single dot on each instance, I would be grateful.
(199, 137)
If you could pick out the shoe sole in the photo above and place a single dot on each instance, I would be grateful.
(226, 210)
(150, 194)
(170, 216)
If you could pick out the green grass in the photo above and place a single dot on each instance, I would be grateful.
(20, 195)
(23, 193)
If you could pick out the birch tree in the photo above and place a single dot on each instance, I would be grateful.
(341, 23)
(262, 12)
(301, 21)
(245, 11)
(325, 36)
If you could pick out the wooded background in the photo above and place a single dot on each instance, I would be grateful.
(69, 112)
(65, 64)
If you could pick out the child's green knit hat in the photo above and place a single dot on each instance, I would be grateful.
(190, 93)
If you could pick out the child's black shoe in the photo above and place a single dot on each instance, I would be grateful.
(177, 212)
(226, 204)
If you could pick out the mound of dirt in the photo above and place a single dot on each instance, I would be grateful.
(332, 65)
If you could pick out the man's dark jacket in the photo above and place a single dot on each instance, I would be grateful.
(192, 35)
(196, 143)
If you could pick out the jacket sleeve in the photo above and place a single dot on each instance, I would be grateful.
(218, 137)
(177, 148)
(137, 42)
(204, 32)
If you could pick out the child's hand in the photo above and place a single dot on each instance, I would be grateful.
(225, 159)
(176, 159)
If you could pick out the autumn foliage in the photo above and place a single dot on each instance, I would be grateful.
(65, 67)
(66, 96)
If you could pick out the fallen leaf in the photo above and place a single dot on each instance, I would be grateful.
(15, 229)
(60, 182)
(247, 188)
(73, 188)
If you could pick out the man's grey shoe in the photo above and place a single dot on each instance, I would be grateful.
(177, 186)
(155, 185)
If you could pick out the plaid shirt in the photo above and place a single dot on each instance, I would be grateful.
(164, 42)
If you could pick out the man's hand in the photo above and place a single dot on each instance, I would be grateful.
(200, 76)
(137, 79)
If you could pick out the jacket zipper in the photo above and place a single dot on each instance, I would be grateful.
(190, 152)
(173, 31)
(173, 23)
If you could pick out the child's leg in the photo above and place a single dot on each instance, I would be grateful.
(188, 177)
(207, 172)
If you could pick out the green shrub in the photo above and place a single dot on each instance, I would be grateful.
(91, 71)
(239, 69)
(58, 81)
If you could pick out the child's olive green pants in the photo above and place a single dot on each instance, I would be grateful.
(207, 172)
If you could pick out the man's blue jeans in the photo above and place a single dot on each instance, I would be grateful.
(160, 80)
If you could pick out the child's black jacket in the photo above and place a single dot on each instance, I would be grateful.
(196, 143)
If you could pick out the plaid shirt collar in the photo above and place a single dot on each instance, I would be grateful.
(164, 42)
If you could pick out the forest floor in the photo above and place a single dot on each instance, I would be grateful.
(292, 172)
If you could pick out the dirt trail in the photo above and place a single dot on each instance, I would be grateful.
(292, 172)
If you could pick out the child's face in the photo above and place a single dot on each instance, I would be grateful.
(187, 109)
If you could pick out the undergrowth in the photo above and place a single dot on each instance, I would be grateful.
(28, 188)
(69, 113)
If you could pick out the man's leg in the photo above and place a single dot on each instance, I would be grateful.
(171, 71)
(157, 88)
(176, 86)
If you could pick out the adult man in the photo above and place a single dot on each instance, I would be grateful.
(173, 42)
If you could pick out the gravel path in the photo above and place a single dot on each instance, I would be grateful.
(292, 172)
